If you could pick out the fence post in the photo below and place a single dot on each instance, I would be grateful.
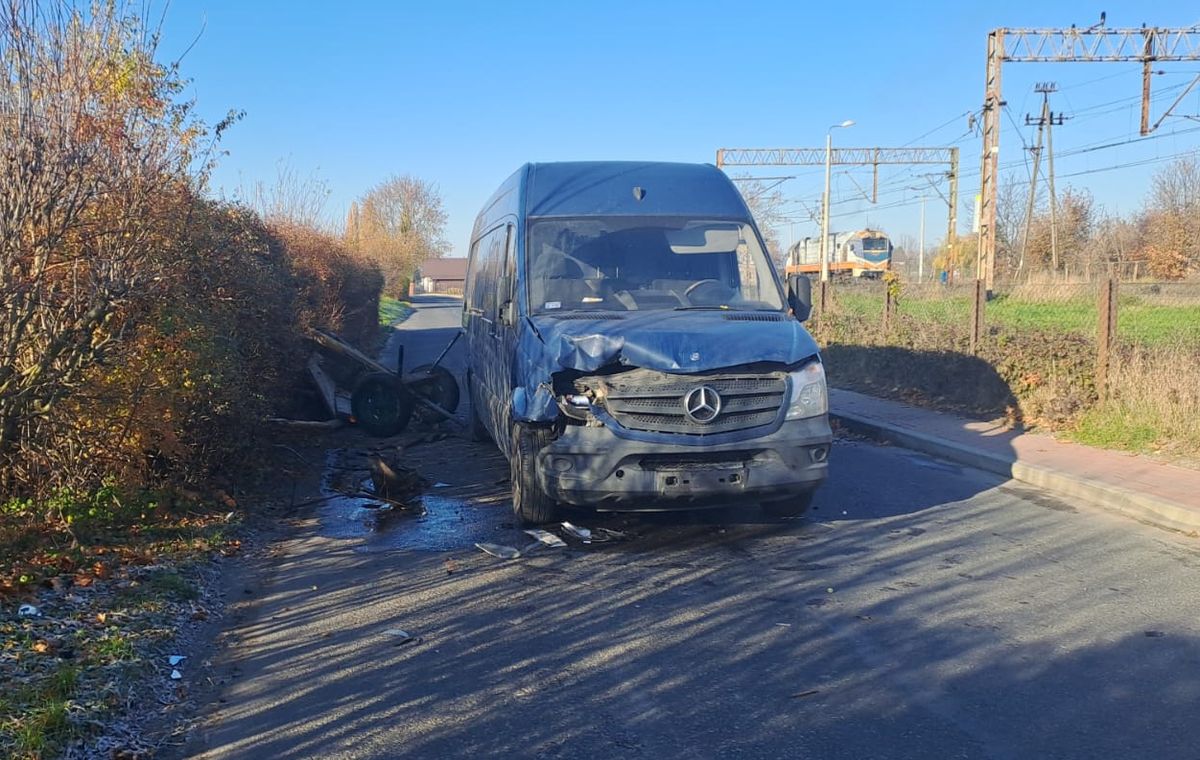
(977, 306)
(1106, 332)
(889, 307)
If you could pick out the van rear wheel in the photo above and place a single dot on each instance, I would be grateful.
(530, 503)
(792, 506)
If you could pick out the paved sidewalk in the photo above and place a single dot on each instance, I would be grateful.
(1137, 486)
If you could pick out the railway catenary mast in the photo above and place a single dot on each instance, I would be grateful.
(1145, 45)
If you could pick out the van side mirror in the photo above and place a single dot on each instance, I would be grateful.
(800, 296)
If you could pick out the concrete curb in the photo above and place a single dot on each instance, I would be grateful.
(1141, 507)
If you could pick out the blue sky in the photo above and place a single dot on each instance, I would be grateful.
(463, 93)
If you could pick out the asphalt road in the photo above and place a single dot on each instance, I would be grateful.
(922, 610)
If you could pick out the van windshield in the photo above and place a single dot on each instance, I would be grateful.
(643, 264)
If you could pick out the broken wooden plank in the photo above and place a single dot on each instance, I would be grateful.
(342, 348)
(324, 384)
(302, 425)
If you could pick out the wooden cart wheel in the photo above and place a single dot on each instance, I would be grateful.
(441, 387)
(380, 404)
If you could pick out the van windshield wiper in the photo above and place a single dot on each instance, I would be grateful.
(701, 308)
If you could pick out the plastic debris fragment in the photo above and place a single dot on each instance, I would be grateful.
(499, 550)
(583, 534)
(175, 659)
(593, 535)
(547, 538)
(176, 675)
(607, 534)
(28, 610)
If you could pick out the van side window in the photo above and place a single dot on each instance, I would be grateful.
(494, 243)
(474, 294)
(509, 267)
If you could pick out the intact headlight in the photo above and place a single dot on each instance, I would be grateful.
(809, 396)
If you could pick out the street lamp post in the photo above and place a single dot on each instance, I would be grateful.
(921, 259)
(825, 198)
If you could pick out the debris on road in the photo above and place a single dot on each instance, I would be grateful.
(175, 659)
(593, 535)
(583, 534)
(808, 693)
(1155, 634)
(600, 535)
(393, 482)
(499, 550)
(440, 484)
(28, 611)
(547, 538)
(401, 636)
(176, 675)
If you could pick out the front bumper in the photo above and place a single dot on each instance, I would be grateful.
(590, 466)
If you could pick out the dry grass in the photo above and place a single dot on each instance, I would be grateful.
(1154, 405)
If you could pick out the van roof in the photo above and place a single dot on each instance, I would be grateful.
(611, 188)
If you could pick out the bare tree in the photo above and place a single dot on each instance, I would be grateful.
(1171, 220)
(399, 223)
(766, 205)
(1010, 223)
(291, 198)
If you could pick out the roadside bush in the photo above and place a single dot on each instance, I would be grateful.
(337, 290)
(145, 331)
(1029, 376)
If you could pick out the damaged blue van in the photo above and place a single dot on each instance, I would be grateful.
(631, 346)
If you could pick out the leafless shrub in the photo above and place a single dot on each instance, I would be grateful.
(92, 139)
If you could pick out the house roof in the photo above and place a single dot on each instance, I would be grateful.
(445, 269)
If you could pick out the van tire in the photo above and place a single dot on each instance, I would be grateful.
(531, 504)
(792, 506)
(479, 431)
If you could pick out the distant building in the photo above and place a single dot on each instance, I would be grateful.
(442, 276)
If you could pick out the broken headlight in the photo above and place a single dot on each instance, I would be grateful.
(809, 398)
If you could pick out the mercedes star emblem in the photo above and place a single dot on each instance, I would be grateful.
(702, 404)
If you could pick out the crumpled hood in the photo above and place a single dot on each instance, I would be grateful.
(667, 341)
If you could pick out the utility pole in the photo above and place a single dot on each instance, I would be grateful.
(1045, 123)
(1094, 44)
(1037, 160)
(1050, 176)
(921, 259)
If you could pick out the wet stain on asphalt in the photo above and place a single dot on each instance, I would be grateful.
(468, 501)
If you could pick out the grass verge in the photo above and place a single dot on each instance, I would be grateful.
(392, 311)
(112, 579)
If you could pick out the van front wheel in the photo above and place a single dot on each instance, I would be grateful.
(531, 504)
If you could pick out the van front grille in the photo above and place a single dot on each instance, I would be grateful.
(654, 401)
